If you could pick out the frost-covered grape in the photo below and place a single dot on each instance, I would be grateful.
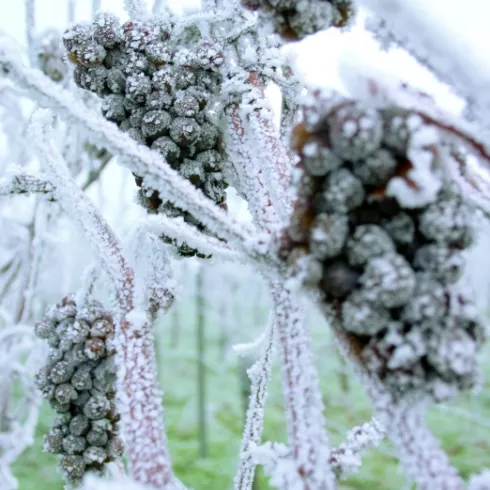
(106, 30)
(95, 348)
(82, 399)
(214, 188)
(75, 36)
(401, 228)
(376, 169)
(116, 80)
(453, 353)
(65, 393)
(113, 108)
(78, 331)
(74, 444)
(91, 54)
(398, 127)
(361, 316)
(138, 86)
(53, 441)
(163, 79)
(211, 160)
(339, 279)
(184, 78)
(136, 63)
(328, 235)
(208, 80)
(167, 148)
(156, 124)
(115, 447)
(209, 55)
(355, 132)
(159, 53)
(343, 191)
(367, 242)
(61, 372)
(115, 58)
(136, 117)
(72, 467)
(445, 264)
(96, 407)
(208, 137)
(159, 99)
(192, 171)
(97, 436)
(184, 131)
(94, 454)
(319, 160)
(44, 329)
(388, 280)
(138, 35)
(101, 328)
(185, 105)
(428, 302)
(79, 425)
(448, 221)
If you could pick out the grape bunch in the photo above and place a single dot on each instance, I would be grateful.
(156, 86)
(78, 381)
(384, 254)
(296, 19)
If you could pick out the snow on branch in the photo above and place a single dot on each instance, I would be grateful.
(412, 25)
(24, 183)
(346, 459)
(139, 396)
(307, 433)
(259, 375)
(141, 160)
(421, 453)
(181, 232)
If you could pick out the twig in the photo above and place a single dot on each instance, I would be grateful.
(259, 375)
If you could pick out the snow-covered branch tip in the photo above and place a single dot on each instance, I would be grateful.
(346, 459)
(24, 183)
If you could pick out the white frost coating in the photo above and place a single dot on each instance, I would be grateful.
(259, 375)
(307, 434)
(178, 229)
(415, 26)
(25, 183)
(346, 459)
(424, 181)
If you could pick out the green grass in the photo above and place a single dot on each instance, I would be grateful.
(467, 442)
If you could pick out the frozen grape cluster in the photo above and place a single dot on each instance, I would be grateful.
(383, 251)
(156, 85)
(78, 381)
(295, 19)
